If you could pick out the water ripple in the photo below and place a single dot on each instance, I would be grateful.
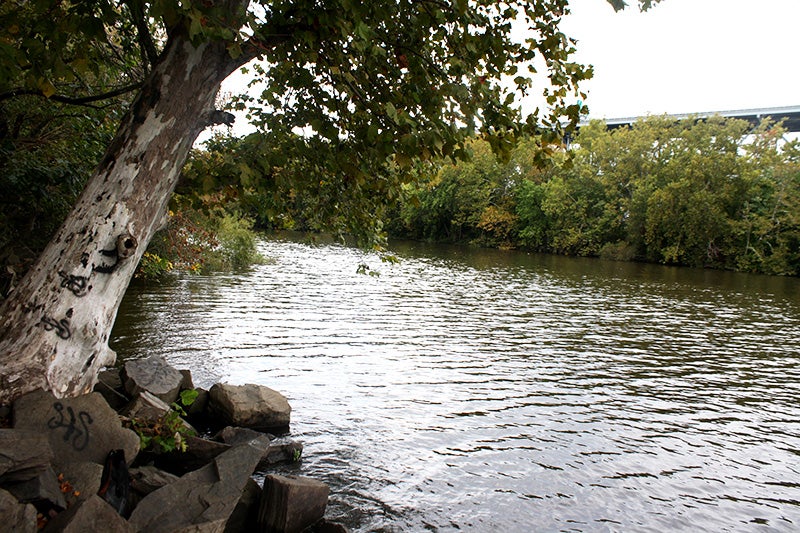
(490, 391)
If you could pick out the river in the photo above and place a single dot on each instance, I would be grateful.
(483, 390)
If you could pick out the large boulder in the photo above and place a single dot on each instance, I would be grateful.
(80, 429)
(289, 504)
(153, 375)
(251, 406)
(23, 454)
(202, 500)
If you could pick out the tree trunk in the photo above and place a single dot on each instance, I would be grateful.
(55, 326)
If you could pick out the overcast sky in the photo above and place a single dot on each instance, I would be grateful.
(687, 56)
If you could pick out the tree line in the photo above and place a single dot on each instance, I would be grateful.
(704, 193)
(716, 193)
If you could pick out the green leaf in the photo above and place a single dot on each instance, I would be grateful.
(188, 396)
(391, 111)
(234, 50)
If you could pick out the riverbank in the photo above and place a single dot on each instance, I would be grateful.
(148, 451)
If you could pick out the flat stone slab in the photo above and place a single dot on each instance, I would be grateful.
(80, 429)
(202, 500)
(280, 450)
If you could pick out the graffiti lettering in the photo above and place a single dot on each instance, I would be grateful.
(61, 327)
(81, 436)
(108, 269)
(77, 285)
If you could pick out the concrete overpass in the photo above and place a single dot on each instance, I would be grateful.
(789, 114)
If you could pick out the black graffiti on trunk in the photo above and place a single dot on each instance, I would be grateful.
(61, 327)
(108, 269)
(77, 285)
(81, 436)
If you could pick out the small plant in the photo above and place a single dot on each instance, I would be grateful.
(186, 398)
(167, 433)
(153, 267)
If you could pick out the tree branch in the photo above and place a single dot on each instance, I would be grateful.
(148, 47)
(83, 100)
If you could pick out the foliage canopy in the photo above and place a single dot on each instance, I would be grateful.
(348, 95)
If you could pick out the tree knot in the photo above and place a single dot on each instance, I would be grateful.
(126, 245)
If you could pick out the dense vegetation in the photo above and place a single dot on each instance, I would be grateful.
(48, 150)
(712, 193)
(707, 193)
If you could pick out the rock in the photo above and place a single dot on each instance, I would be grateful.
(325, 526)
(23, 454)
(199, 405)
(150, 408)
(250, 406)
(245, 515)
(146, 407)
(109, 384)
(80, 429)
(91, 514)
(43, 492)
(290, 504)
(199, 452)
(81, 480)
(235, 435)
(17, 517)
(187, 382)
(153, 375)
(146, 479)
(202, 500)
(282, 450)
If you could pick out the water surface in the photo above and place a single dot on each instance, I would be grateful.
(480, 390)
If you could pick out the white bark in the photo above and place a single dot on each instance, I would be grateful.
(55, 326)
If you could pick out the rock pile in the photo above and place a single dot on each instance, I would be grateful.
(75, 464)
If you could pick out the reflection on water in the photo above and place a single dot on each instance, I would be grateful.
(495, 391)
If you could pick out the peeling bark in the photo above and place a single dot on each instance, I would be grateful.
(55, 326)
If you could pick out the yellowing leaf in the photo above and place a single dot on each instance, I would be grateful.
(47, 88)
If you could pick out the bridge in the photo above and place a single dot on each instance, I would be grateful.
(789, 114)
